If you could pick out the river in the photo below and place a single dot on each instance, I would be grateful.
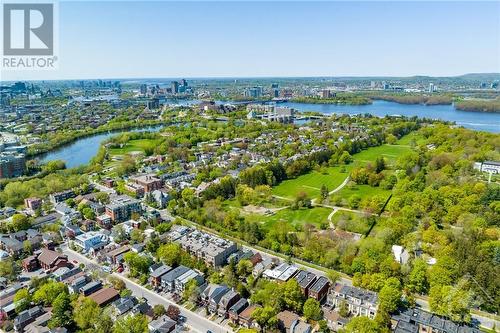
(82, 150)
(481, 121)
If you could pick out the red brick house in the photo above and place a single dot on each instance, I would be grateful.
(30, 264)
(51, 260)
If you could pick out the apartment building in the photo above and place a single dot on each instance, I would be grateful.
(122, 207)
(211, 249)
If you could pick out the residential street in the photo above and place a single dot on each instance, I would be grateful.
(482, 319)
(195, 321)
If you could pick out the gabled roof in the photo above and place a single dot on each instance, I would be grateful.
(287, 318)
(162, 324)
(247, 313)
(49, 257)
(158, 272)
(239, 306)
(124, 304)
(104, 296)
(228, 296)
(174, 274)
(319, 284)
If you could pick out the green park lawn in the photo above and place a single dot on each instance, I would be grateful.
(389, 152)
(315, 216)
(139, 145)
(363, 191)
(311, 182)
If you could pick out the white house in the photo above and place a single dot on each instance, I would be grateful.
(400, 254)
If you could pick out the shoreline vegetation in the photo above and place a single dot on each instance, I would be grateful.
(342, 99)
(479, 105)
(472, 105)
(414, 99)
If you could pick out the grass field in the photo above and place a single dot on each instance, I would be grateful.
(316, 216)
(140, 145)
(412, 137)
(389, 152)
(363, 191)
(311, 183)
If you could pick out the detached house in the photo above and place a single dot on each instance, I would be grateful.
(226, 302)
(162, 325)
(236, 309)
(27, 317)
(52, 260)
(212, 295)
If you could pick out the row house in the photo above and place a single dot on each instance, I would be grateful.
(155, 276)
(319, 289)
(33, 204)
(305, 280)
(226, 302)
(417, 320)
(105, 296)
(289, 322)
(182, 281)
(245, 318)
(281, 273)
(114, 256)
(58, 197)
(90, 288)
(236, 309)
(168, 279)
(212, 295)
(359, 302)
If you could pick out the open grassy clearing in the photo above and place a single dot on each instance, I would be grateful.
(317, 216)
(389, 152)
(139, 145)
(311, 183)
(413, 137)
(364, 191)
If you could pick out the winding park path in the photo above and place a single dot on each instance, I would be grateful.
(330, 217)
(341, 186)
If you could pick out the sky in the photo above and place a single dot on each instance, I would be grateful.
(138, 39)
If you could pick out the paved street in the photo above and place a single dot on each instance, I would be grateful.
(197, 322)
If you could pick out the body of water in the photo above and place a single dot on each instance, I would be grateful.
(481, 121)
(82, 150)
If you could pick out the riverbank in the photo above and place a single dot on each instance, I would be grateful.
(344, 100)
(414, 99)
(63, 139)
(483, 105)
(82, 150)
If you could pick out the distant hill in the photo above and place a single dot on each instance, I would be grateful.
(481, 76)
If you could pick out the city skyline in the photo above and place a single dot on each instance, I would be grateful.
(273, 39)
